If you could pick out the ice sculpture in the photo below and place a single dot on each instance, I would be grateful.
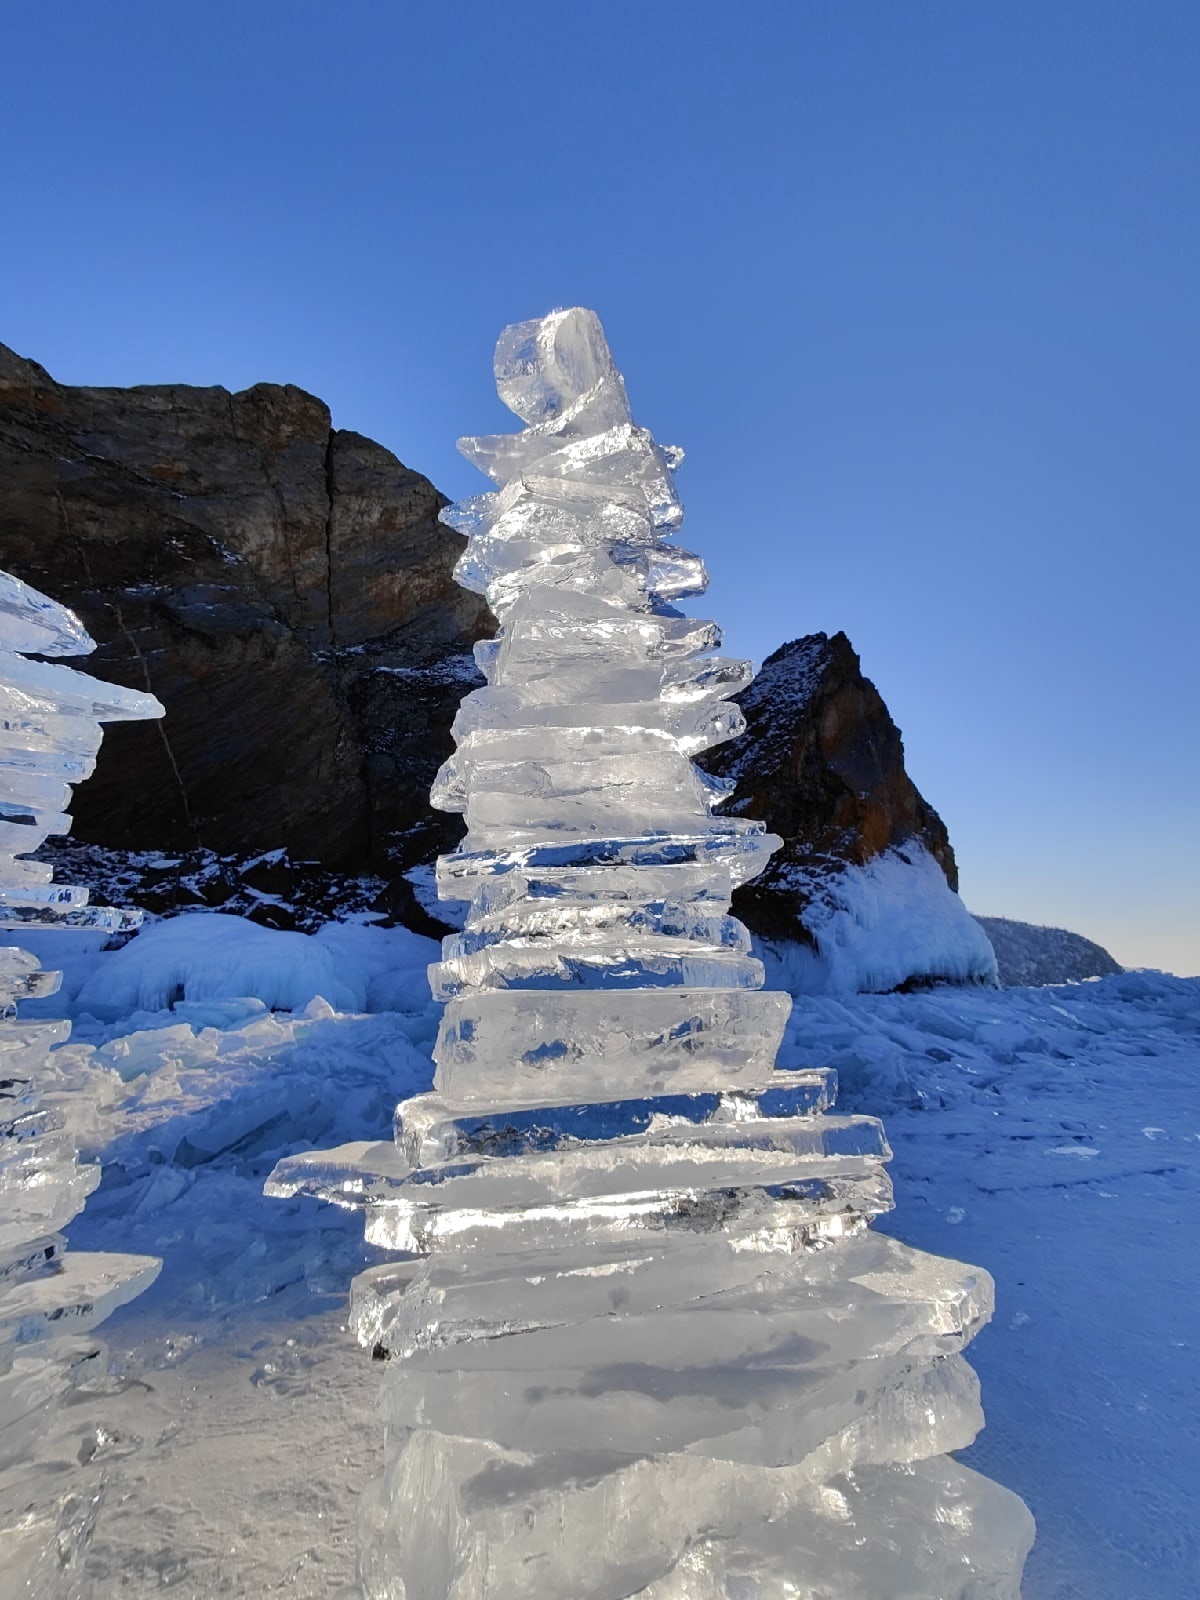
(50, 1298)
(642, 1340)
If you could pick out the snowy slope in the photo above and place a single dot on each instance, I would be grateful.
(1052, 1135)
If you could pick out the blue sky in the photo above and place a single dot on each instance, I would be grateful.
(912, 281)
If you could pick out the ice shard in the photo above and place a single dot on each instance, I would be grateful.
(642, 1338)
(50, 1298)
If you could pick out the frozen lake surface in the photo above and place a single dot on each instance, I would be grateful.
(1050, 1135)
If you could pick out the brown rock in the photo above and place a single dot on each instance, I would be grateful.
(285, 589)
(822, 764)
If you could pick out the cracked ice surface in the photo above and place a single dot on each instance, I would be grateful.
(653, 1348)
(50, 1298)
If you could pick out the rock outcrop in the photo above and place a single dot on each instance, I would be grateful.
(866, 878)
(1029, 956)
(822, 763)
(284, 587)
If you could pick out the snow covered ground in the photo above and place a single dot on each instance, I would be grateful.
(1050, 1135)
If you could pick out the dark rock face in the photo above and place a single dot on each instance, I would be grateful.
(284, 587)
(822, 764)
(1027, 955)
(286, 590)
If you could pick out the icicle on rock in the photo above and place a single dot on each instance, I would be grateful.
(50, 1298)
(642, 1339)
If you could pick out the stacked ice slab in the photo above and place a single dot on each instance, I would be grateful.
(50, 1298)
(642, 1340)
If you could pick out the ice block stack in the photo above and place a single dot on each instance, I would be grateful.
(642, 1340)
(50, 1298)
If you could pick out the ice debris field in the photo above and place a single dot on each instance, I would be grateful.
(1051, 1135)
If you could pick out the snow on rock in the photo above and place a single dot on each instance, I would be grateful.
(1027, 954)
(267, 886)
(389, 965)
(877, 927)
(822, 762)
(862, 894)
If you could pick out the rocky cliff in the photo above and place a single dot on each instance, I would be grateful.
(283, 586)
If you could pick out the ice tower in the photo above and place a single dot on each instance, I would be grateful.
(642, 1339)
(50, 1298)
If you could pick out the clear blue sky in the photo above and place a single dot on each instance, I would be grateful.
(913, 281)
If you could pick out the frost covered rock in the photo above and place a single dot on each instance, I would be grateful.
(862, 893)
(891, 923)
(1030, 955)
(50, 1299)
(270, 887)
(653, 1347)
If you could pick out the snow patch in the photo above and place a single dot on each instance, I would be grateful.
(207, 956)
(388, 966)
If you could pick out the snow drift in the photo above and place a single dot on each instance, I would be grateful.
(206, 956)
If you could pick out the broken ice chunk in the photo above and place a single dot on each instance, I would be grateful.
(33, 624)
(545, 368)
